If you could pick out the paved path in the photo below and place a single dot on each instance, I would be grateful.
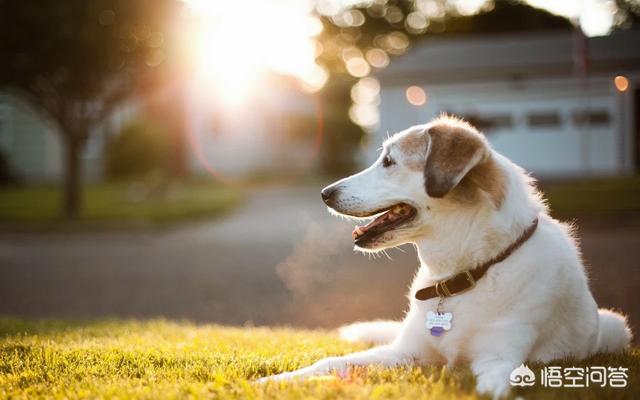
(279, 259)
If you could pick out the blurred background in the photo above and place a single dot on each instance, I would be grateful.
(164, 158)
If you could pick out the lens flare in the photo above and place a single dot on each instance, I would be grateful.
(234, 44)
(195, 105)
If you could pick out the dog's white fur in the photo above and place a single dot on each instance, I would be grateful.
(534, 306)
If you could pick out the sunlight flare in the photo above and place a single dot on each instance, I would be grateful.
(234, 44)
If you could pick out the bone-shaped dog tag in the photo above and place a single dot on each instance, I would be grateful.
(437, 323)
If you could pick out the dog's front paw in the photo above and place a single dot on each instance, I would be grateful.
(285, 376)
(322, 367)
(492, 384)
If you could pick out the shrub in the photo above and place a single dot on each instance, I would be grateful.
(141, 148)
(7, 176)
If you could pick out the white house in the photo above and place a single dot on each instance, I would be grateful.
(557, 103)
(25, 142)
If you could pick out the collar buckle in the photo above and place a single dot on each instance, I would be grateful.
(470, 279)
(442, 290)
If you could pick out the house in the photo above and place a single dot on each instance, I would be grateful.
(557, 103)
(25, 144)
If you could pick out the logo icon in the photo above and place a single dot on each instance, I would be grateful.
(522, 376)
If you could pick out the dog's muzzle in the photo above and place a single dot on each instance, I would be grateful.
(329, 195)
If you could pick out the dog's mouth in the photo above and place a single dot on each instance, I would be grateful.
(391, 218)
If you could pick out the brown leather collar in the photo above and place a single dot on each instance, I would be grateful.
(466, 280)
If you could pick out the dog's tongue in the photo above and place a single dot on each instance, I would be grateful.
(389, 216)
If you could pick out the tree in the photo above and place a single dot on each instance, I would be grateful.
(627, 14)
(76, 60)
(380, 25)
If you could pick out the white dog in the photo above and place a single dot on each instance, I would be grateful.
(500, 282)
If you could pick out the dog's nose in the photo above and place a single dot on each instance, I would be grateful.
(328, 193)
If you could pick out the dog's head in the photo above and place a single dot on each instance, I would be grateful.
(424, 174)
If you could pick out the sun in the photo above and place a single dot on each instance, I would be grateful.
(234, 43)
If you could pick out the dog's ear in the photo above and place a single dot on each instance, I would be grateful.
(452, 151)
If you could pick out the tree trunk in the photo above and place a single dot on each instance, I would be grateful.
(72, 190)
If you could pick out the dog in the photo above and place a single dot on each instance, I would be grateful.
(500, 282)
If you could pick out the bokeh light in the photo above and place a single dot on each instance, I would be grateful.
(378, 58)
(416, 23)
(315, 79)
(365, 115)
(358, 67)
(366, 91)
(396, 42)
(366, 97)
(349, 18)
(350, 52)
(431, 9)
(416, 96)
(621, 82)
(469, 7)
(393, 14)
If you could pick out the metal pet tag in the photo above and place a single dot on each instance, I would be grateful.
(439, 322)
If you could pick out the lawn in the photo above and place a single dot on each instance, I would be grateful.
(161, 359)
(602, 197)
(117, 205)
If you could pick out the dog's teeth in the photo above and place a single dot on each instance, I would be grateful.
(357, 232)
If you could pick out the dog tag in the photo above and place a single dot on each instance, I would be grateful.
(439, 322)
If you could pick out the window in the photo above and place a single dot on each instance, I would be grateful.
(592, 118)
(544, 120)
(489, 123)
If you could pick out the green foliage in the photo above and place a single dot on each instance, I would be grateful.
(341, 142)
(6, 174)
(161, 359)
(141, 148)
(377, 26)
(341, 138)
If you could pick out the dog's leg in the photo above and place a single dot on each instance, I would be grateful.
(496, 353)
(385, 356)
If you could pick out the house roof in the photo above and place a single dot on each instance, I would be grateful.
(511, 56)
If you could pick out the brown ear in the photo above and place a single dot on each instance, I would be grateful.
(451, 153)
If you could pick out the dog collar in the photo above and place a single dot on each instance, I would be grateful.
(466, 280)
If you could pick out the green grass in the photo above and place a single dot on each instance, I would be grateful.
(161, 359)
(599, 197)
(117, 204)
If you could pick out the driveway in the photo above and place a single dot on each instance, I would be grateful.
(280, 259)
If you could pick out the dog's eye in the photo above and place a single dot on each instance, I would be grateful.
(387, 161)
